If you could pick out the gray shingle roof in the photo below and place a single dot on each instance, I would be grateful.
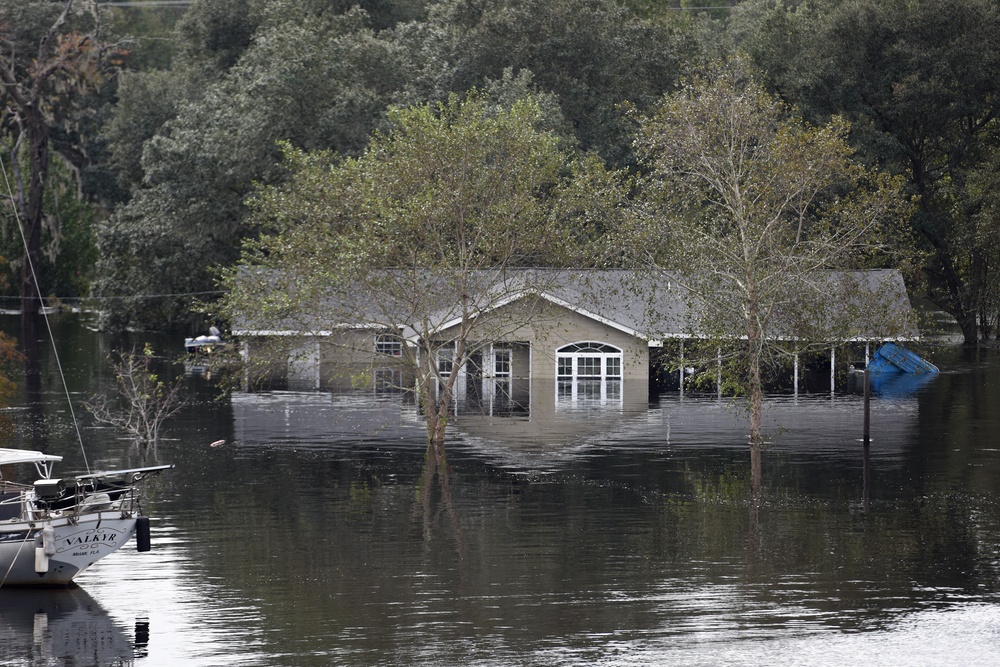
(649, 306)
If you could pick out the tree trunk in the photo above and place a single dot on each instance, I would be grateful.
(436, 417)
(970, 328)
(958, 303)
(754, 342)
(33, 381)
(38, 160)
(756, 417)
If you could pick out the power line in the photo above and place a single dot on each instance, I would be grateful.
(188, 3)
(70, 299)
(149, 3)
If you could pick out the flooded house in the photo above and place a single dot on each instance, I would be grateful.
(572, 336)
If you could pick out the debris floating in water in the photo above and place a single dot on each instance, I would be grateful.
(218, 443)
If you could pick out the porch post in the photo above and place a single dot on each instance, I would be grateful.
(245, 357)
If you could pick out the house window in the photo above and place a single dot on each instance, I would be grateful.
(388, 380)
(589, 372)
(390, 345)
(589, 360)
(446, 361)
(588, 367)
(501, 362)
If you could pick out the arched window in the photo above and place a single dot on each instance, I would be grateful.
(588, 372)
(589, 360)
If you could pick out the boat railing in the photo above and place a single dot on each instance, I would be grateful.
(76, 497)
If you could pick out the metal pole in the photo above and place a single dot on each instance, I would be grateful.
(866, 474)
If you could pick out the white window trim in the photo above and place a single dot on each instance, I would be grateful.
(575, 357)
(604, 380)
(389, 345)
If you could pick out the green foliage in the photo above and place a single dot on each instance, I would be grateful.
(56, 59)
(981, 234)
(320, 80)
(68, 256)
(190, 144)
(918, 82)
(746, 206)
(147, 32)
(431, 224)
(592, 55)
(10, 359)
(455, 188)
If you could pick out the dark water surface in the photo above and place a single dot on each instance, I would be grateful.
(597, 535)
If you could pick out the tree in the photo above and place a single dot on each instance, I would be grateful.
(191, 143)
(314, 79)
(593, 55)
(917, 81)
(746, 206)
(981, 231)
(423, 237)
(143, 401)
(53, 56)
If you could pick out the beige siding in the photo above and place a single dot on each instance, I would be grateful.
(558, 326)
(571, 327)
(347, 358)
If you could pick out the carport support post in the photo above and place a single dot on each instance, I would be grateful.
(795, 375)
(718, 370)
(833, 367)
(866, 460)
(680, 373)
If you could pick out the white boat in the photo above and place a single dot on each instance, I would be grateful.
(204, 345)
(53, 529)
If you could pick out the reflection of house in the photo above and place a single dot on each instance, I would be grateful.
(585, 335)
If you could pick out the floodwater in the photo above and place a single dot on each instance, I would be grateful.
(621, 533)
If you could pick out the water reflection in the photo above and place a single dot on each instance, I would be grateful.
(622, 536)
(179, 614)
(45, 627)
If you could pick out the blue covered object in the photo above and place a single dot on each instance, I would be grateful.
(892, 358)
(889, 385)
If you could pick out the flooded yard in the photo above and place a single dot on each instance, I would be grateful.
(598, 533)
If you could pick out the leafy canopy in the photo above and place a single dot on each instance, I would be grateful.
(747, 207)
(751, 203)
(426, 234)
(452, 197)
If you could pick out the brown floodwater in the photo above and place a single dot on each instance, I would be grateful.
(614, 533)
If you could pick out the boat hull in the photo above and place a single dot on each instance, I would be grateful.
(76, 545)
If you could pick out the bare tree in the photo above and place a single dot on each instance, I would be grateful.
(143, 402)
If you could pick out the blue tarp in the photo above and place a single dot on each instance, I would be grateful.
(892, 358)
